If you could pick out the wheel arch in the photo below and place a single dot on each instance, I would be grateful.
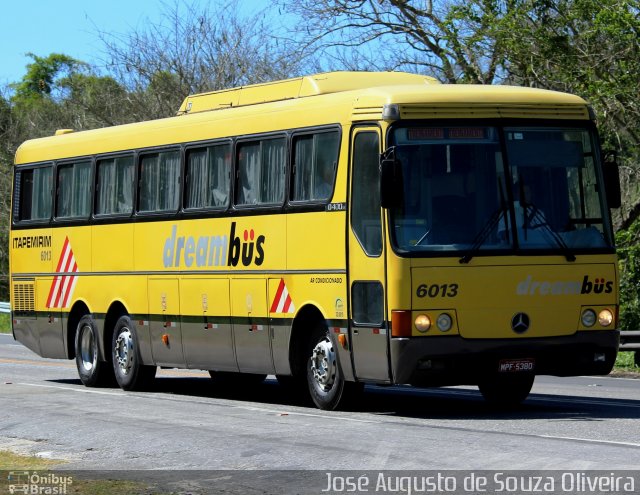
(301, 332)
(78, 310)
(115, 311)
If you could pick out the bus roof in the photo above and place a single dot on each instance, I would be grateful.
(329, 98)
(300, 87)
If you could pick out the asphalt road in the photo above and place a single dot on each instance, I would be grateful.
(186, 423)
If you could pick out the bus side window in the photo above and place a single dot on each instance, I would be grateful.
(114, 193)
(248, 174)
(261, 172)
(365, 200)
(32, 199)
(315, 159)
(207, 174)
(159, 181)
(74, 197)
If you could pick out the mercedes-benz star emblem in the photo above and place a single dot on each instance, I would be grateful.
(520, 322)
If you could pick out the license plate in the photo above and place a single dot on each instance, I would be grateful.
(516, 365)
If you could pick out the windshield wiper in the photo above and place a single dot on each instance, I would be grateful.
(485, 232)
(536, 214)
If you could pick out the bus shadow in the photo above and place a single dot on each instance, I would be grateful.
(408, 402)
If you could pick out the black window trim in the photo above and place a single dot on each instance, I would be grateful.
(232, 210)
(208, 211)
(163, 214)
(259, 138)
(31, 166)
(311, 131)
(56, 220)
(105, 217)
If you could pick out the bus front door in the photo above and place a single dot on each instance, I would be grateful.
(369, 335)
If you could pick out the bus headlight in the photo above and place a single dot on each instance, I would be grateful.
(444, 322)
(588, 317)
(422, 323)
(605, 317)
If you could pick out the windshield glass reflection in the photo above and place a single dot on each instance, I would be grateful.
(462, 194)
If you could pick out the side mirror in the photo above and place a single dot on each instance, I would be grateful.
(391, 187)
(612, 180)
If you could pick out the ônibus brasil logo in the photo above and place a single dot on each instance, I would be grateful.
(64, 283)
(215, 250)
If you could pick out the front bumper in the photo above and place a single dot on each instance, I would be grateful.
(438, 361)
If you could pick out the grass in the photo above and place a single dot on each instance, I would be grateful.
(10, 462)
(625, 362)
(5, 323)
(15, 462)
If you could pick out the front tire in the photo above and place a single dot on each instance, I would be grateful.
(130, 373)
(506, 390)
(92, 371)
(325, 382)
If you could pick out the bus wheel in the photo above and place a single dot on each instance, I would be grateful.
(92, 371)
(506, 390)
(130, 373)
(324, 378)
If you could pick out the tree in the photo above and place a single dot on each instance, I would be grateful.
(5, 195)
(453, 41)
(193, 50)
(151, 70)
(587, 47)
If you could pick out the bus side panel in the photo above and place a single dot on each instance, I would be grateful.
(281, 309)
(206, 325)
(164, 322)
(322, 257)
(31, 258)
(50, 325)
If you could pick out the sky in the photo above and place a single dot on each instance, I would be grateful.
(71, 27)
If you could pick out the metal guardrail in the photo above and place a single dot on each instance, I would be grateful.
(630, 340)
(5, 307)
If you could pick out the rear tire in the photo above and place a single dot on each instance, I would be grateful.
(506, 390)
(92, 371)
(129, 371)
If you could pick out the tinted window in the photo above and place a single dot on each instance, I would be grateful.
(315, 159)
(32, 199)
(114, 193)
(261, 172)
(365, 201)
(160, 182)
(207, 177)
(74, 190)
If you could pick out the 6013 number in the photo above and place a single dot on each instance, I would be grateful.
(435, 290)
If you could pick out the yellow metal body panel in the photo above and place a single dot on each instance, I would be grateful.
(487, 297)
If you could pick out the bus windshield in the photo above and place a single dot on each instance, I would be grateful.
(488, 189)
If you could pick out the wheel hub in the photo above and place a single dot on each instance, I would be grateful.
(323, 364)
(124, 351)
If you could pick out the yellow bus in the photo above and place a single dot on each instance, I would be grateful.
(332, 230)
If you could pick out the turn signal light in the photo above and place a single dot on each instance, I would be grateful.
(401, 323)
